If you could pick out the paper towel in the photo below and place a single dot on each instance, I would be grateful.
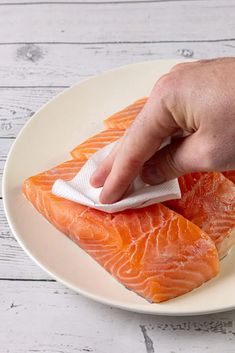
(140, 195)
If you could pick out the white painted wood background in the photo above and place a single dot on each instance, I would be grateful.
(46, 46)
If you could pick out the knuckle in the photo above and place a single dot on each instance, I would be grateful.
(166, 88)
(178, 67)
(162, 86)
(133, 164)
(165, 82)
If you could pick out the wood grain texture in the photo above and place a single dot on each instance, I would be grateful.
(65, 64)
(58, 320)
(18, 105)
(81, 2)
(46, 46)
(120, 22)
(5, 145)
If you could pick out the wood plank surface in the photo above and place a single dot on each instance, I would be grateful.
(65, 64)
(46, 317)
(18, 105)
(46, 46)
(5, 145)
(81, 2)
(118, 22)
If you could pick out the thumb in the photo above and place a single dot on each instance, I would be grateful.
(180, 157)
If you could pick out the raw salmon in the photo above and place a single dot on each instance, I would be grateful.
(208, 200)
(230, 174)
(152, 251)
(123, 119)
(96, 142)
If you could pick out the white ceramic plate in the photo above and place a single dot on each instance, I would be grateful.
(45, 141)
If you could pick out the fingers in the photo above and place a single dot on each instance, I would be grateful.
(142, 140)
(175, 159)
(151, 126)
(99, 176)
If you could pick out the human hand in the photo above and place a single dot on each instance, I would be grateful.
(196, 97)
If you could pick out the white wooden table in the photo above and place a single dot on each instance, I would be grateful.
(45, 46)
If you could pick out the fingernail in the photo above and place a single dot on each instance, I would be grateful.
(152, 176)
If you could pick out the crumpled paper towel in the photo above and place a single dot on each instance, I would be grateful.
(140, 194)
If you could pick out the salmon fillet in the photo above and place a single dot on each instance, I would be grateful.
(208, 200)
(95, 143)
(123, 119)
(152, 251)
(230, 174)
